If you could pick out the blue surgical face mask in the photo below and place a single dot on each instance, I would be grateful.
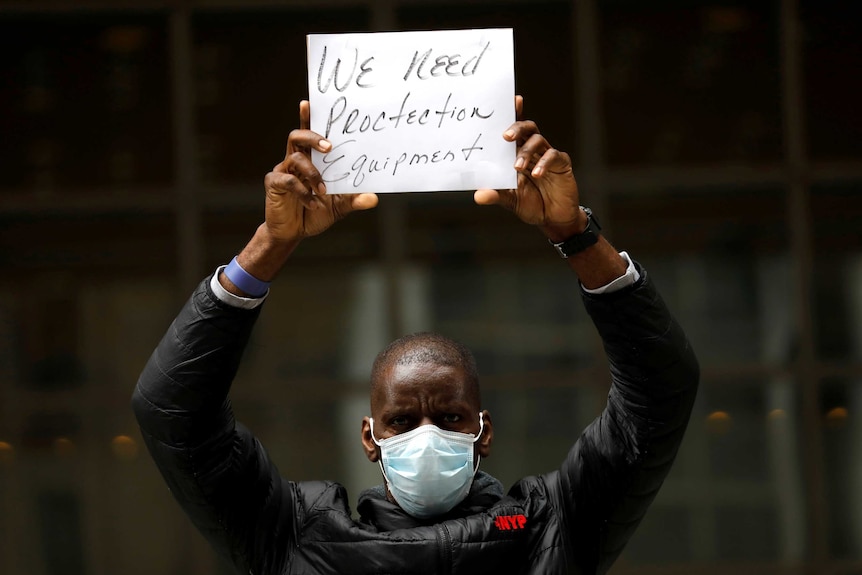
(428, 470)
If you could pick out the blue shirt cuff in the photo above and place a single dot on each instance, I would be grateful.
(231, 299)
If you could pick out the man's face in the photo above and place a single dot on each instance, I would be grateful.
(408, 396)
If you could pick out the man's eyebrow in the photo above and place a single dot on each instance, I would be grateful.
(396, 410)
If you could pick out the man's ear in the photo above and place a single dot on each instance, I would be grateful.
(483, 446)
(371, 451)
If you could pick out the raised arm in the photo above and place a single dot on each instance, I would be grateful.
(216, 469)
(615, 468)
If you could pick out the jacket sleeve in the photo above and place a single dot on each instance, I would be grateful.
(215, 468)
(616, 467)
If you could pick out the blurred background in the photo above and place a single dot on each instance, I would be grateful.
(720, 142)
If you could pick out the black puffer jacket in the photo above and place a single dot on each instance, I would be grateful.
(575, 520)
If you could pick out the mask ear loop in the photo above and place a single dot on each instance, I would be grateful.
(374, 439)
(377, 443)
(475, 439)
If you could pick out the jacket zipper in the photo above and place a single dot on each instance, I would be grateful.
(445, 542)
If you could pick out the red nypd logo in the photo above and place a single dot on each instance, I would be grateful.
(510, 522)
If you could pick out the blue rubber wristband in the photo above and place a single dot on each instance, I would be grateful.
(244, 280)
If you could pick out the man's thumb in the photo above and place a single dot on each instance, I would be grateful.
(364, 201)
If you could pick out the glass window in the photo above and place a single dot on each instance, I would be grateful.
(86, 312)
(544, 59)
(228, 230)
(690, 84)
(54, 258)
(516, 317)
(719, 257)
(132, 525)
(307, 368)
(85, 102)
(450, 228)
(836, 211)
(86, 106)
(87, 242)
(841, 418)
(495, 284)
(735, 492)
(250, 74)
(59, 514)
(536, 424)
(833, 89)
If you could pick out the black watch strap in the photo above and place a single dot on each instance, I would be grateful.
(579, 242)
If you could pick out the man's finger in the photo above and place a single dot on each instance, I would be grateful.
(552, 160)
(531, 151)
(519, 107)
(487, 197)
(318, 142)
(521, 131)
(300, 165)
(363, 201)
(282, 184)
(304, 140)
(344, 204)
(304, 115)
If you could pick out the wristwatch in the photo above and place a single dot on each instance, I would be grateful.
(579, 242)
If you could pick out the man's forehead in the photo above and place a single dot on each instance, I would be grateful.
(406, 382)
(401, 375)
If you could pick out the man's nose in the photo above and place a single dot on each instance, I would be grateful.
(426, 421)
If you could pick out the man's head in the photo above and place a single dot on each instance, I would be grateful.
(425, 379)
(429, 349)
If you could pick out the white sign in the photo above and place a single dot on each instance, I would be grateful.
(413, 111)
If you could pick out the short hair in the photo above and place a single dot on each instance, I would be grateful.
(427, 347)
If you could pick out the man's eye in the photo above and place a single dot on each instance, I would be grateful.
(397, 421)
(451, 418)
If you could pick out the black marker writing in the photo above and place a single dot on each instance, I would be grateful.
(447, 64)
(362, 121)
(469, 151)
(459, 114)
(364, 165)
(364, 68)
(330, 159)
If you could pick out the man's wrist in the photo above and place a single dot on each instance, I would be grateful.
(560, 231)
(581, 240)
(265, 255)
(232, 299)
(245, 282)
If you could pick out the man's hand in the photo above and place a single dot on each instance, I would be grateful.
(547, 194)
(547, 197)
(297, 206)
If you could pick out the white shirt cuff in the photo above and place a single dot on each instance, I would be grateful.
(231, 299)
(629, 278)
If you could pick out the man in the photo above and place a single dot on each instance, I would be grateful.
(435, 513)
